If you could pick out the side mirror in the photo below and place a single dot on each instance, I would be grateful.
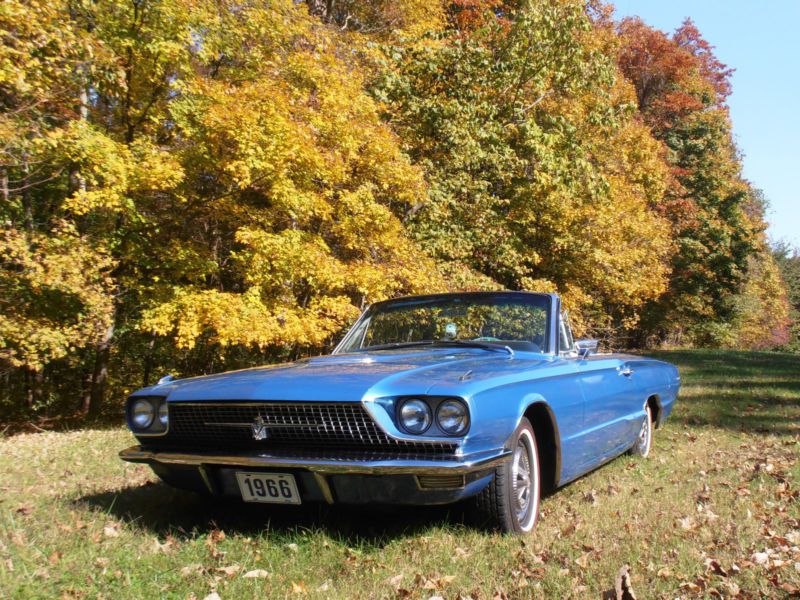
(586, 347)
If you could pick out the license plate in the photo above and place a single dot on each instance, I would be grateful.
(275, 488)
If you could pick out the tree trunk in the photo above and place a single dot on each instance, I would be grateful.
(100, 373)
(4, 185)
(148, 362)
(86, 389)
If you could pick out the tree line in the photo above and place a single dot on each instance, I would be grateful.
(196, 185)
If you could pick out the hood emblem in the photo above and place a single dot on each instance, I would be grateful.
(259, 429)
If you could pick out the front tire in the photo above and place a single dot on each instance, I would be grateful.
(645, 440)
(510, 503)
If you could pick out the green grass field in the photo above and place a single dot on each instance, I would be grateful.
(714, 512)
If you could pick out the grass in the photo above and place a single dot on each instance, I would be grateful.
(713, 512)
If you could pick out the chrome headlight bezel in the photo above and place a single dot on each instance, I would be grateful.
(423, 413)
(458, 410)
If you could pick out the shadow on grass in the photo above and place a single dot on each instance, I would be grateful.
(161, 509)
(751, 392)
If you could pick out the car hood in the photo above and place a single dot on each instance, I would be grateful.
(352, 377)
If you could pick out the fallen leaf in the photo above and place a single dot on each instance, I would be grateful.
(569, 530)
(622, 585)
(298, 588)
(193, 569)
(111, 531)
(688, 585)
(712, 564)
(256, 574)
(395, 581)
(166, 547)
(790, 589)
(230, 571)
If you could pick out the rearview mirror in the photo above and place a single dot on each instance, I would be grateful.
(586, 347)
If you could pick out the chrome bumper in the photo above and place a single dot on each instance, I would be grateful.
(461, 465)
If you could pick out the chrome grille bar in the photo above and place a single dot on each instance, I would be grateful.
(297, 425)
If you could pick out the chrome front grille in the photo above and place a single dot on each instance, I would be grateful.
(297, 426)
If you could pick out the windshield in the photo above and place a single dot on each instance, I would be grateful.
(518, 321)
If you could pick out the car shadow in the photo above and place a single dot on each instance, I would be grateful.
(163, 510)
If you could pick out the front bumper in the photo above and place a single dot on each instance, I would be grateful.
(353, 481)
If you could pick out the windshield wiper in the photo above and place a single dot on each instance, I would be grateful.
(399, 345)
(475, 344)
(457, 343)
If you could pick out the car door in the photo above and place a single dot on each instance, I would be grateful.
(609, 394)
(607, 383)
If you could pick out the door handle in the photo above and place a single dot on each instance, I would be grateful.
(627, 371)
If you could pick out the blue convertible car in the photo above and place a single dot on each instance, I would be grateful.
(432, 399)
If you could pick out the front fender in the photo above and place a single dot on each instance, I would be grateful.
(497, 413)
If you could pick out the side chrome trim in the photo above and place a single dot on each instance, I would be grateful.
(477, 462)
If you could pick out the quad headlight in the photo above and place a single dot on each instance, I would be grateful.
(415, 415)
(452, 417)
(142, 413)
(163, 413)
(148, 416)
(418, 415)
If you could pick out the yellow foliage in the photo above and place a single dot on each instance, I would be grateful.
(762, 307)
(55, 295)
(311, 183)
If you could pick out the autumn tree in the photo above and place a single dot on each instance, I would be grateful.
(681, 90)
(532, 157)
(788, 261)
(197, 185)
(210, 181)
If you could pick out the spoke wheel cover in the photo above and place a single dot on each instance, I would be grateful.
(525, 482)
(645, 438)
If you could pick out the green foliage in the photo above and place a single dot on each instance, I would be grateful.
(716, 224)
(788, 261)
(532, 155)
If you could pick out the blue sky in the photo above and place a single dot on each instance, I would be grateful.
(760, 41)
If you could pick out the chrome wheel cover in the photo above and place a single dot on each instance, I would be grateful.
(522, 478)
(645, 434)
